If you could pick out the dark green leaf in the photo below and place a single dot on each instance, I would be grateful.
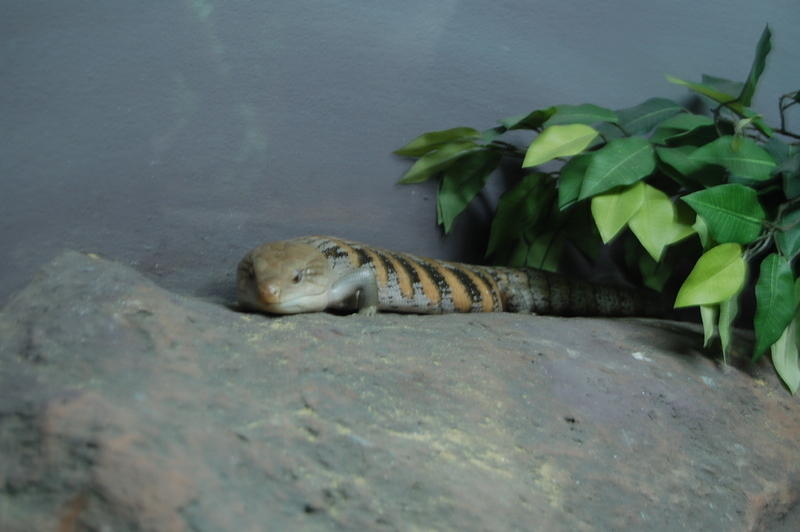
(686, 171)
(654, 274)
(790, 170)
(544, 251)
(435, 161)
(731, 212)
(785, 357)
(697, 129)
(533, 120)
(581, 114)
(518, 209)
(435, 139)
(744, 159)
(621, 162)
(723, 97)
(461, 183)
(727, 86)
(775, 302)
(647, 115)
(571, 179)
(760, 60)
(787, 237)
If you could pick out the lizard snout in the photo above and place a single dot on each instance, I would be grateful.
(270, 293)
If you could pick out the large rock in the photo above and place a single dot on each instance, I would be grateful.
(127, 407)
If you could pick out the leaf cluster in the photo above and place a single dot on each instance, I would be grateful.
(657, 175)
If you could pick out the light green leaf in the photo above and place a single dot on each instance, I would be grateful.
(461, 183)
(571, 179)
(435, 161)
(718, 274)
(732, 212)
(701, 228)
(647, 115)
(657, 223)
(558, 141)
(581, 114)
(435, 139)
(775, 301)
(621, 162)
(750, 160)
(532, 120)
(759, 62)
(611, 211)
(785, 357)
(708, 314)
(728, 310)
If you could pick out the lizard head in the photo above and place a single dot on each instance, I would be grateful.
(283, 278)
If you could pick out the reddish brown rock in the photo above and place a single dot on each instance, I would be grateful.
(124, 406)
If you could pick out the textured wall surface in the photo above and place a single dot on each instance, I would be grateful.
(174, 135)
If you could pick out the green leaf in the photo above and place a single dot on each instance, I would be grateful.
(654, 273)
(785, 357)
(705, 89)
(621, 162)
(731, 212)
(435, 161)
(461, 183)
(558, 141)
(708, 314)
(657, 223)
(728, 310)
(581, 114)
(435, 139)
(571, 179)
(759, 62)
(532, 120)
(730, 102)
(722, 84)
(682, 126)
(545, 251)
(678, 165)
(750, 160)
(701, 228)
(775, 301)
(519, 209)
(718, 274)
(647, 115)
(790, 170)
(787, 238)
(611, 211)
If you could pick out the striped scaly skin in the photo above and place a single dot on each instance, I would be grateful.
(316, 273)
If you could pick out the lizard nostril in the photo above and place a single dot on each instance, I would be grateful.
(270, 292)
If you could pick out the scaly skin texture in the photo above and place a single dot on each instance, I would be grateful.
(316, 273)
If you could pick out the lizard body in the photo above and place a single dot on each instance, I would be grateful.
(315, 273)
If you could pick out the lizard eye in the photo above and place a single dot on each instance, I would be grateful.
(298, 276)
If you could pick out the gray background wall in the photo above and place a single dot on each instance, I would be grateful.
(174, 135)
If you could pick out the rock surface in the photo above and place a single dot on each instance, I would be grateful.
(127, 407)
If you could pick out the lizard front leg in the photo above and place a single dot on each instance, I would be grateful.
(357, 289)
